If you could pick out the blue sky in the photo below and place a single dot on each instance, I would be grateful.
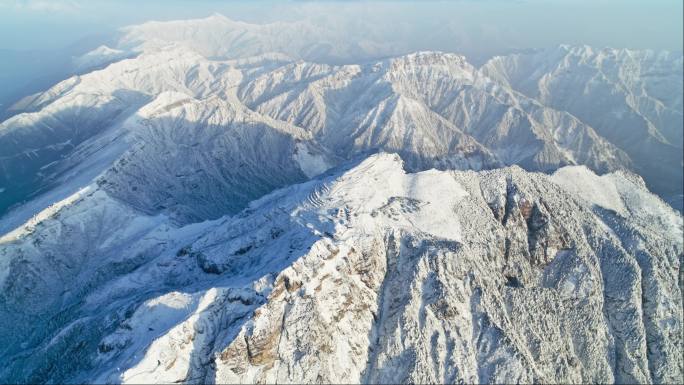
(452, 25)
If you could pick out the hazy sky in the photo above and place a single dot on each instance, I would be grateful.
(468, 26)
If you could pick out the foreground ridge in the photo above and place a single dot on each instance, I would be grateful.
(436, 276)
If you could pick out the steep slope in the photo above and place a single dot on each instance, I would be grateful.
(632, 98)
(66, 117)
(171, 102)
(502, 276)
(429, 107)
(198, 160)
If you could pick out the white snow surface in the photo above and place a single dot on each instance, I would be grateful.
(598, 190)
(311, 164)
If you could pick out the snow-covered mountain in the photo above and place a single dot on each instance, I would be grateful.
(497, 276)
(216, 201)
(220, 37)
(632, 98)
(142, 110)
(433, 108)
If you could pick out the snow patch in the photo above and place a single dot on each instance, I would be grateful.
(597, 190)
(311, 163)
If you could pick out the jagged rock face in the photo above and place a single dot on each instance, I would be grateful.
(434, 109)
(367, 274)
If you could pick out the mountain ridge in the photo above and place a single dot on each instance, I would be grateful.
(343, 219)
